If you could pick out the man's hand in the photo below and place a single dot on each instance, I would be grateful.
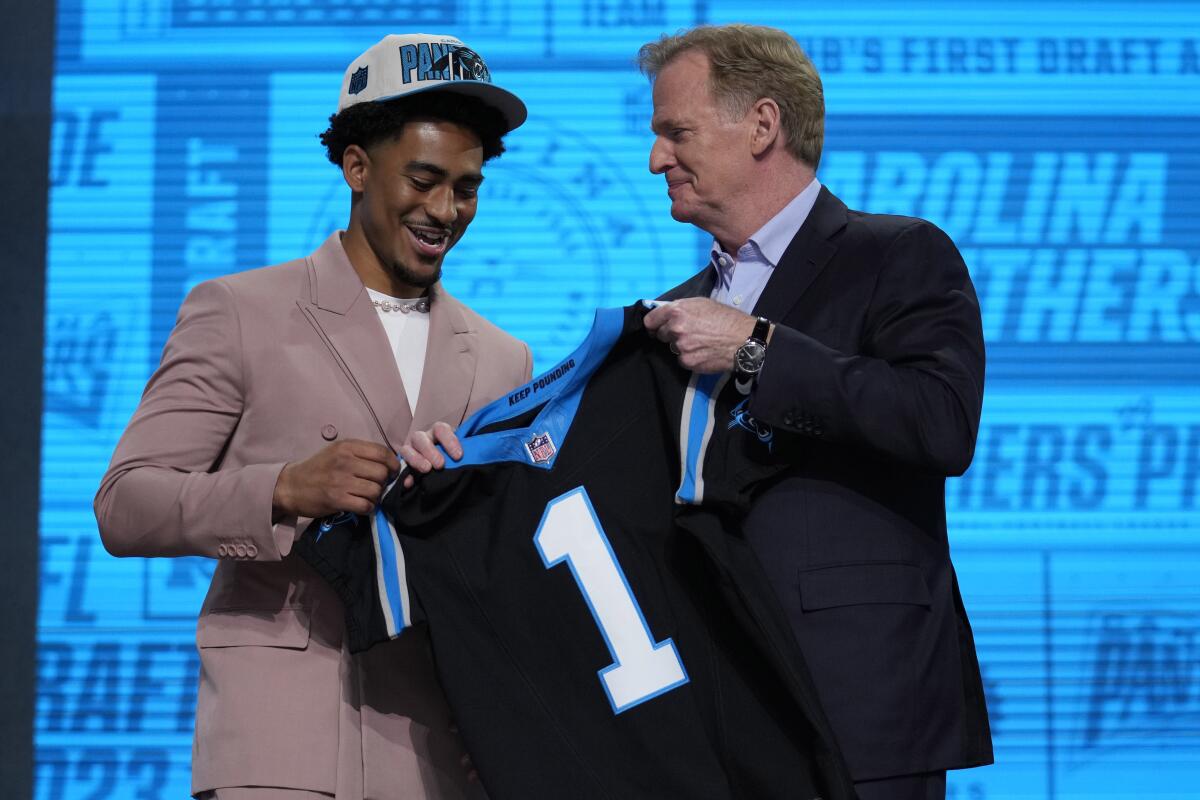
(343, 476)
(702, 332)
(420, 452)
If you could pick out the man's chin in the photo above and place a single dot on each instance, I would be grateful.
(681, 213)
(420, 278)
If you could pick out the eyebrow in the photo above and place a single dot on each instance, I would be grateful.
(425, 166)
(657, 125)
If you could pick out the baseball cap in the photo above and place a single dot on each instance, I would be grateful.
(410, 63)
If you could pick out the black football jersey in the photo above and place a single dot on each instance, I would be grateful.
(599, 627)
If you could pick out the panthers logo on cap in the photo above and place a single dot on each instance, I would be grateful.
(466, 65)
(471, 65)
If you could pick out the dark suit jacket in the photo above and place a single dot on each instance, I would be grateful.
(873, 383)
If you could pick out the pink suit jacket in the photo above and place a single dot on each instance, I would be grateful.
(266, 367)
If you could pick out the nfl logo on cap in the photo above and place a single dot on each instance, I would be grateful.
(358, 81)
(404, 64)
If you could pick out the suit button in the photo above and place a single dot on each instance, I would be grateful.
(240, 550)
(251, 550)
(222, 551)
(328, 433)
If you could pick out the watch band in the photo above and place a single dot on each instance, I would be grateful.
(755, 347)
(762, 326)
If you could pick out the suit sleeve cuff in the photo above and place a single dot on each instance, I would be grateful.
(286, 531)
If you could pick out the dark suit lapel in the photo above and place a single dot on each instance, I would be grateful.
(340, 309)
(699, 285)
(810, 250)
(449, 364)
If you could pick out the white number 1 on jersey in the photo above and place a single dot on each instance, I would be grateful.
(641, 669)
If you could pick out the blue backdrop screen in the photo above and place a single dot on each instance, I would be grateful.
(1058, 144)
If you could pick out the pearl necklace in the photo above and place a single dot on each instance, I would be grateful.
(420, 305)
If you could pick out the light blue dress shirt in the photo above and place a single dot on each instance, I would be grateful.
(742, 277)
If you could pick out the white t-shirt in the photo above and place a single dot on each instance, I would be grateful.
(408, 335)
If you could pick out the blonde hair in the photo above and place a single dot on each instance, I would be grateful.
(747, 63)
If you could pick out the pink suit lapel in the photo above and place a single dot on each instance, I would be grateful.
(341, 312)
(449, 364)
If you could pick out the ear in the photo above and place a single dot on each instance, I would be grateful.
(764, 130)
(355, 164)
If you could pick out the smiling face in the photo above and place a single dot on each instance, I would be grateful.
(415, 195)
(704, 155)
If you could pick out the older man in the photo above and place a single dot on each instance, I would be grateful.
(857, 338)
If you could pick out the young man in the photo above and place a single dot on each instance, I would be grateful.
(857, 339)
(283, 395)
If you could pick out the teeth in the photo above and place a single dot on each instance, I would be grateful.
(429, 237)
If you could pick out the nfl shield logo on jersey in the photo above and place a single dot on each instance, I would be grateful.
(541, 448)
(358, 81)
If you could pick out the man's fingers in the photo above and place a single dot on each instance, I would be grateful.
(655, 318)
(426, 450)
(372, 471)
(367, 490)
(353, 504)
(448, 439)
(422, 443)
(667, 327)
(415, 459)
(667, 330)
(373, 451)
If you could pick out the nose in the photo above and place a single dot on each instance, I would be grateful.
(441, 205)
(661, 157)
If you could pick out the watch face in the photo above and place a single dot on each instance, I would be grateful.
(750, 356)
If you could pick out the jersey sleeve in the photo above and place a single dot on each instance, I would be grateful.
(362, 558)
(723, 452)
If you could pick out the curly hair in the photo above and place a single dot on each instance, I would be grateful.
(365, 124)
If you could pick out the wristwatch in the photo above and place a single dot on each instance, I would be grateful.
(748, 359)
